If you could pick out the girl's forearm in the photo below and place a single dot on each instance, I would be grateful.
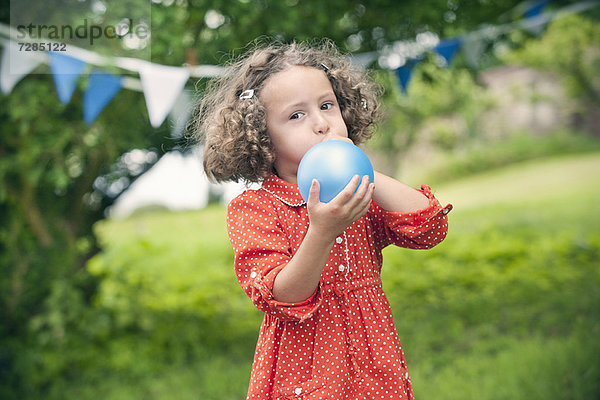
(299, 279)
(393, 195)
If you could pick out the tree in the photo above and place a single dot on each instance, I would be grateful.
(578, 64)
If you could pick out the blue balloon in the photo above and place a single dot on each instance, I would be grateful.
(333, 163)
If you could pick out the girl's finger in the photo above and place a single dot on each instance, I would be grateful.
(368, 197)
(363, 188)
(313, 193)
(358, 198)
(365, 202)
(346, 193)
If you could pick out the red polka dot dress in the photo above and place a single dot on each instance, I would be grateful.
(341, 343)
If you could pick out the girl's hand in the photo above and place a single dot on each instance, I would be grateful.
(300, 277)
(329, 220)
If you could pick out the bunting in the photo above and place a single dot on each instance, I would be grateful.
(15, 65)
(474, 43)
(472, 49)
(532, 12)
(102, 87)
(163, 85)
(65, 71)
(535, 9)
(404, 74)
(181, 113)
(448, 49)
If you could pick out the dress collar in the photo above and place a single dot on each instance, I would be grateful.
(284, 191)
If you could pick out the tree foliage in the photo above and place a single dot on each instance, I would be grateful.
(579, 61)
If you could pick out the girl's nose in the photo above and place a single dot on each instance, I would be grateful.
(321, 126)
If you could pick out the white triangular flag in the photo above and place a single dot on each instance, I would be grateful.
(162, 85)
(363, 60)
(181, 113)
(15, 65)
(473, 47)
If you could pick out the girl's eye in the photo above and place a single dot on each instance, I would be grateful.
(296, 115)
(326, 106)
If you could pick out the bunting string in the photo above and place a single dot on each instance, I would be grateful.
(403, 57)
(163, 86)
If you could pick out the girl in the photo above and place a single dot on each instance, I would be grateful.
(313, 268)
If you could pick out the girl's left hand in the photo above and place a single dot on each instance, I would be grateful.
(331, 219)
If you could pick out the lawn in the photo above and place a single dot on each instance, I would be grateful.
(507, 307)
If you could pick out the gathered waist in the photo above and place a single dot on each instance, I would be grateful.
(342, 287)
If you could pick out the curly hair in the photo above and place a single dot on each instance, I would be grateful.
(237, 145)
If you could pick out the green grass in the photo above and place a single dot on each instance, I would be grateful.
(477, 157)
(214, 377)
(531, 368)
(507, 307)
(527, 182)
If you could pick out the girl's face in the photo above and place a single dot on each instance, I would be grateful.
(302, 110)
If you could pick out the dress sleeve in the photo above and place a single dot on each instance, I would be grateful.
(422, 229)
(262, 250)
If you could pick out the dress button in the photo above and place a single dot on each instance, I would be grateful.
(445, 211)
(339, 240)
(253, 274)
(341, 268)
(298, 391)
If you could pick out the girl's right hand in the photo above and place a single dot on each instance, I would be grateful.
(329, 220)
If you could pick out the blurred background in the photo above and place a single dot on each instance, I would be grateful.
(116, 271)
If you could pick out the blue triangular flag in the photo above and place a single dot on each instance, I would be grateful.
(65, 70)
(535, 9)
(102, 87)
(405, 72)
(448, 48)
(532, 14)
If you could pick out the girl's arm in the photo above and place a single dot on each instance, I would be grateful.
(299, 279)
(393, 195)
(406, 217)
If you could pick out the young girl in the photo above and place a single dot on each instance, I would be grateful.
(313, 268)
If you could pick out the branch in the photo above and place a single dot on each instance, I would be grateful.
(32, 214)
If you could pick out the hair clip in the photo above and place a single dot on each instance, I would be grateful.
(247, 94)
(325, 67)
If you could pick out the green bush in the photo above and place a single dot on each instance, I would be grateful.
(171, 279)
